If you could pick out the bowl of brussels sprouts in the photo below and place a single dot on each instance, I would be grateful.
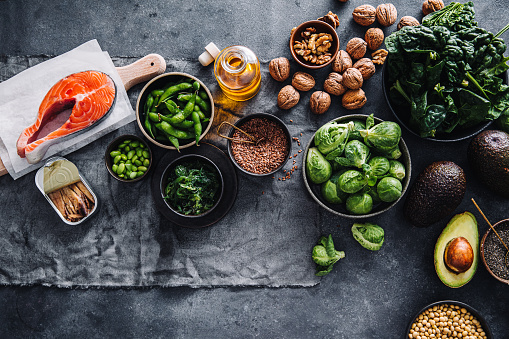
(357, 166)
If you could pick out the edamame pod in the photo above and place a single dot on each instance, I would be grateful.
(197, 126)
(174, 89)
(199, 101)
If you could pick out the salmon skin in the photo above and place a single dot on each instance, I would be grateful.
(90, 94)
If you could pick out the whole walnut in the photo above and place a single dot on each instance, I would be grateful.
(430, 6)
(356, 47)
(407, 21)
(366, 67)
(374, 37)
(287, 97)
(341, 62)
(386, 14)
(352, 78)
(364, 15)
(333, 84)
(279, 69)
(354, 99)
(303, 81)
(319, 102)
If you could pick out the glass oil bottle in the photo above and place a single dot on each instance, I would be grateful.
(237, 71)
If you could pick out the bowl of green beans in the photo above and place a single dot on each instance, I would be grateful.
(175, 110)
(128, 158)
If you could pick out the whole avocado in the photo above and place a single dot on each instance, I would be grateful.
(488, 155)
(436, 193)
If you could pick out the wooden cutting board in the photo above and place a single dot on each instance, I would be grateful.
(141, 70)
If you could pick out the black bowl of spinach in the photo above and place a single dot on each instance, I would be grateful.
(446, 80)
(192, 185)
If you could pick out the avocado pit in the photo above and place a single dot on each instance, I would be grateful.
(458, 255)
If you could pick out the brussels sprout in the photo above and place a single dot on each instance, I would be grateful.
(318, 168)
(374, 194)
(331, 192)
(384, 137)
(325, 255)
(394, 153)
(352, 181)
(332, 136)
(379, 166)
(357, 153)
(389, 189)
(369, 235)
(396, 169)
(359, 203)
(355, 135)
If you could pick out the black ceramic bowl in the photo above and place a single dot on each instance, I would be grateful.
(402, 115)
(472, 311)
(114, 145)
(160, 82)
(247, 118)
(188, 158)
(340, 209)
(497, 227)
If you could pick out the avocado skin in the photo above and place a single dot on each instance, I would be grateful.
(488, 155)
(436, 193)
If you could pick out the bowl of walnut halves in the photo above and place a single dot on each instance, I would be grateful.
(314, 44)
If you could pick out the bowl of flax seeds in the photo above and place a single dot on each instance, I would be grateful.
(263, 148)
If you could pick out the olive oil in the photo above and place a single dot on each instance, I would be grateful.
(237, 71)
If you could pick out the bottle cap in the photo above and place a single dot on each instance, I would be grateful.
(210, 54)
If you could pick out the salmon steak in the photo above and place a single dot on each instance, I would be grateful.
(90, 95)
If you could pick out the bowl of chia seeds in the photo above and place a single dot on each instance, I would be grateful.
(493, 252)
(259, 144)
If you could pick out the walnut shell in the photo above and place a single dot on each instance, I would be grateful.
(386, 14)
(303, 81)
(354, 99)
(333, 84)
(279, 69)
(319, 102)
(342, 62)
(287, 97)
(366, 67)
(430, 6)
(407, 21)
(352, 78)
(364, 15)
(356, 47)
(374, 37)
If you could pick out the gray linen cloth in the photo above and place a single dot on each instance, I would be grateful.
(266, 239)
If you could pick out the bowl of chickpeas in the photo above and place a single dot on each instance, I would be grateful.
(448, 319)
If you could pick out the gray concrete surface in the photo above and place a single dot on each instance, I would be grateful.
(368, 295)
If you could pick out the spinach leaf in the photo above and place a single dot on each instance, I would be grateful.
(454, 16)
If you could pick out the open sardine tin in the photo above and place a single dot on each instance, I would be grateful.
(66, 190)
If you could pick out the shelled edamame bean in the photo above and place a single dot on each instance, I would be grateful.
(179, 111)
(130, 160)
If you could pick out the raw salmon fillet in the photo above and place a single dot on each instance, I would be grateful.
(90, 94)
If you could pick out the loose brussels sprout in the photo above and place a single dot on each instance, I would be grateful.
(396, 169)
(379, 166)
(356, 153)
(332, 136)
(384, 137)
(359, 203)
(369, 235)
(318, 168)
(331, 192)
(389, 189)
(352, 181)
(355, 135)
(325, 255)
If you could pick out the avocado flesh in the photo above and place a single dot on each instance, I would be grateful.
(461, 225)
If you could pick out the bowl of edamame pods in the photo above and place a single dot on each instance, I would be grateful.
(128, 158)
(175, 110)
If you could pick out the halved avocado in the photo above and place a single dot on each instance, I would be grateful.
(460, 232)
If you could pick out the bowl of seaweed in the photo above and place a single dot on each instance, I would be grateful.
(192, 185)
(446, 80)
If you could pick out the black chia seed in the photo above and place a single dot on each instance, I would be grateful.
(494, 251)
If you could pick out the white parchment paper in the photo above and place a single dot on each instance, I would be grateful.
(21, 95)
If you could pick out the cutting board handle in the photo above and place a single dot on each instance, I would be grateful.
(142, 70)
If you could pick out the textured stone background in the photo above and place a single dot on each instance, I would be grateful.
(368, 295)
